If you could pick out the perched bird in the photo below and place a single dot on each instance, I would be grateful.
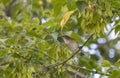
(71, 43)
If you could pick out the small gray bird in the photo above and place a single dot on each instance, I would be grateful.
(71, 43)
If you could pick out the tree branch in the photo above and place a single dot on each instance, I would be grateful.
(78, 50)
(64, 62)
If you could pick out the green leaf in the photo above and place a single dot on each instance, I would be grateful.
(76, 37)
(72, 5)
(40, 55)
(117, 28)
(57, 4)
(117, 22)
(55, 36)
(94, 57)
(81, 5)
(115, 74)
(43, 45)
(105, 63)
(15, 55)
(117, 63)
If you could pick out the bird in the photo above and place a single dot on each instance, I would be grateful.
(71, 43)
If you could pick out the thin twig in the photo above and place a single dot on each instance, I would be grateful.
(34, 49)
(49, 56)
(88, 70)
(64, 62)
(78, 50)
(87, 41)
(76, 73)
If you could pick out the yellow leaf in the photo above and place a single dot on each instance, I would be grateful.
(65, 18)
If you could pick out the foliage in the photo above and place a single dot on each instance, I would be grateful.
(31, 45)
